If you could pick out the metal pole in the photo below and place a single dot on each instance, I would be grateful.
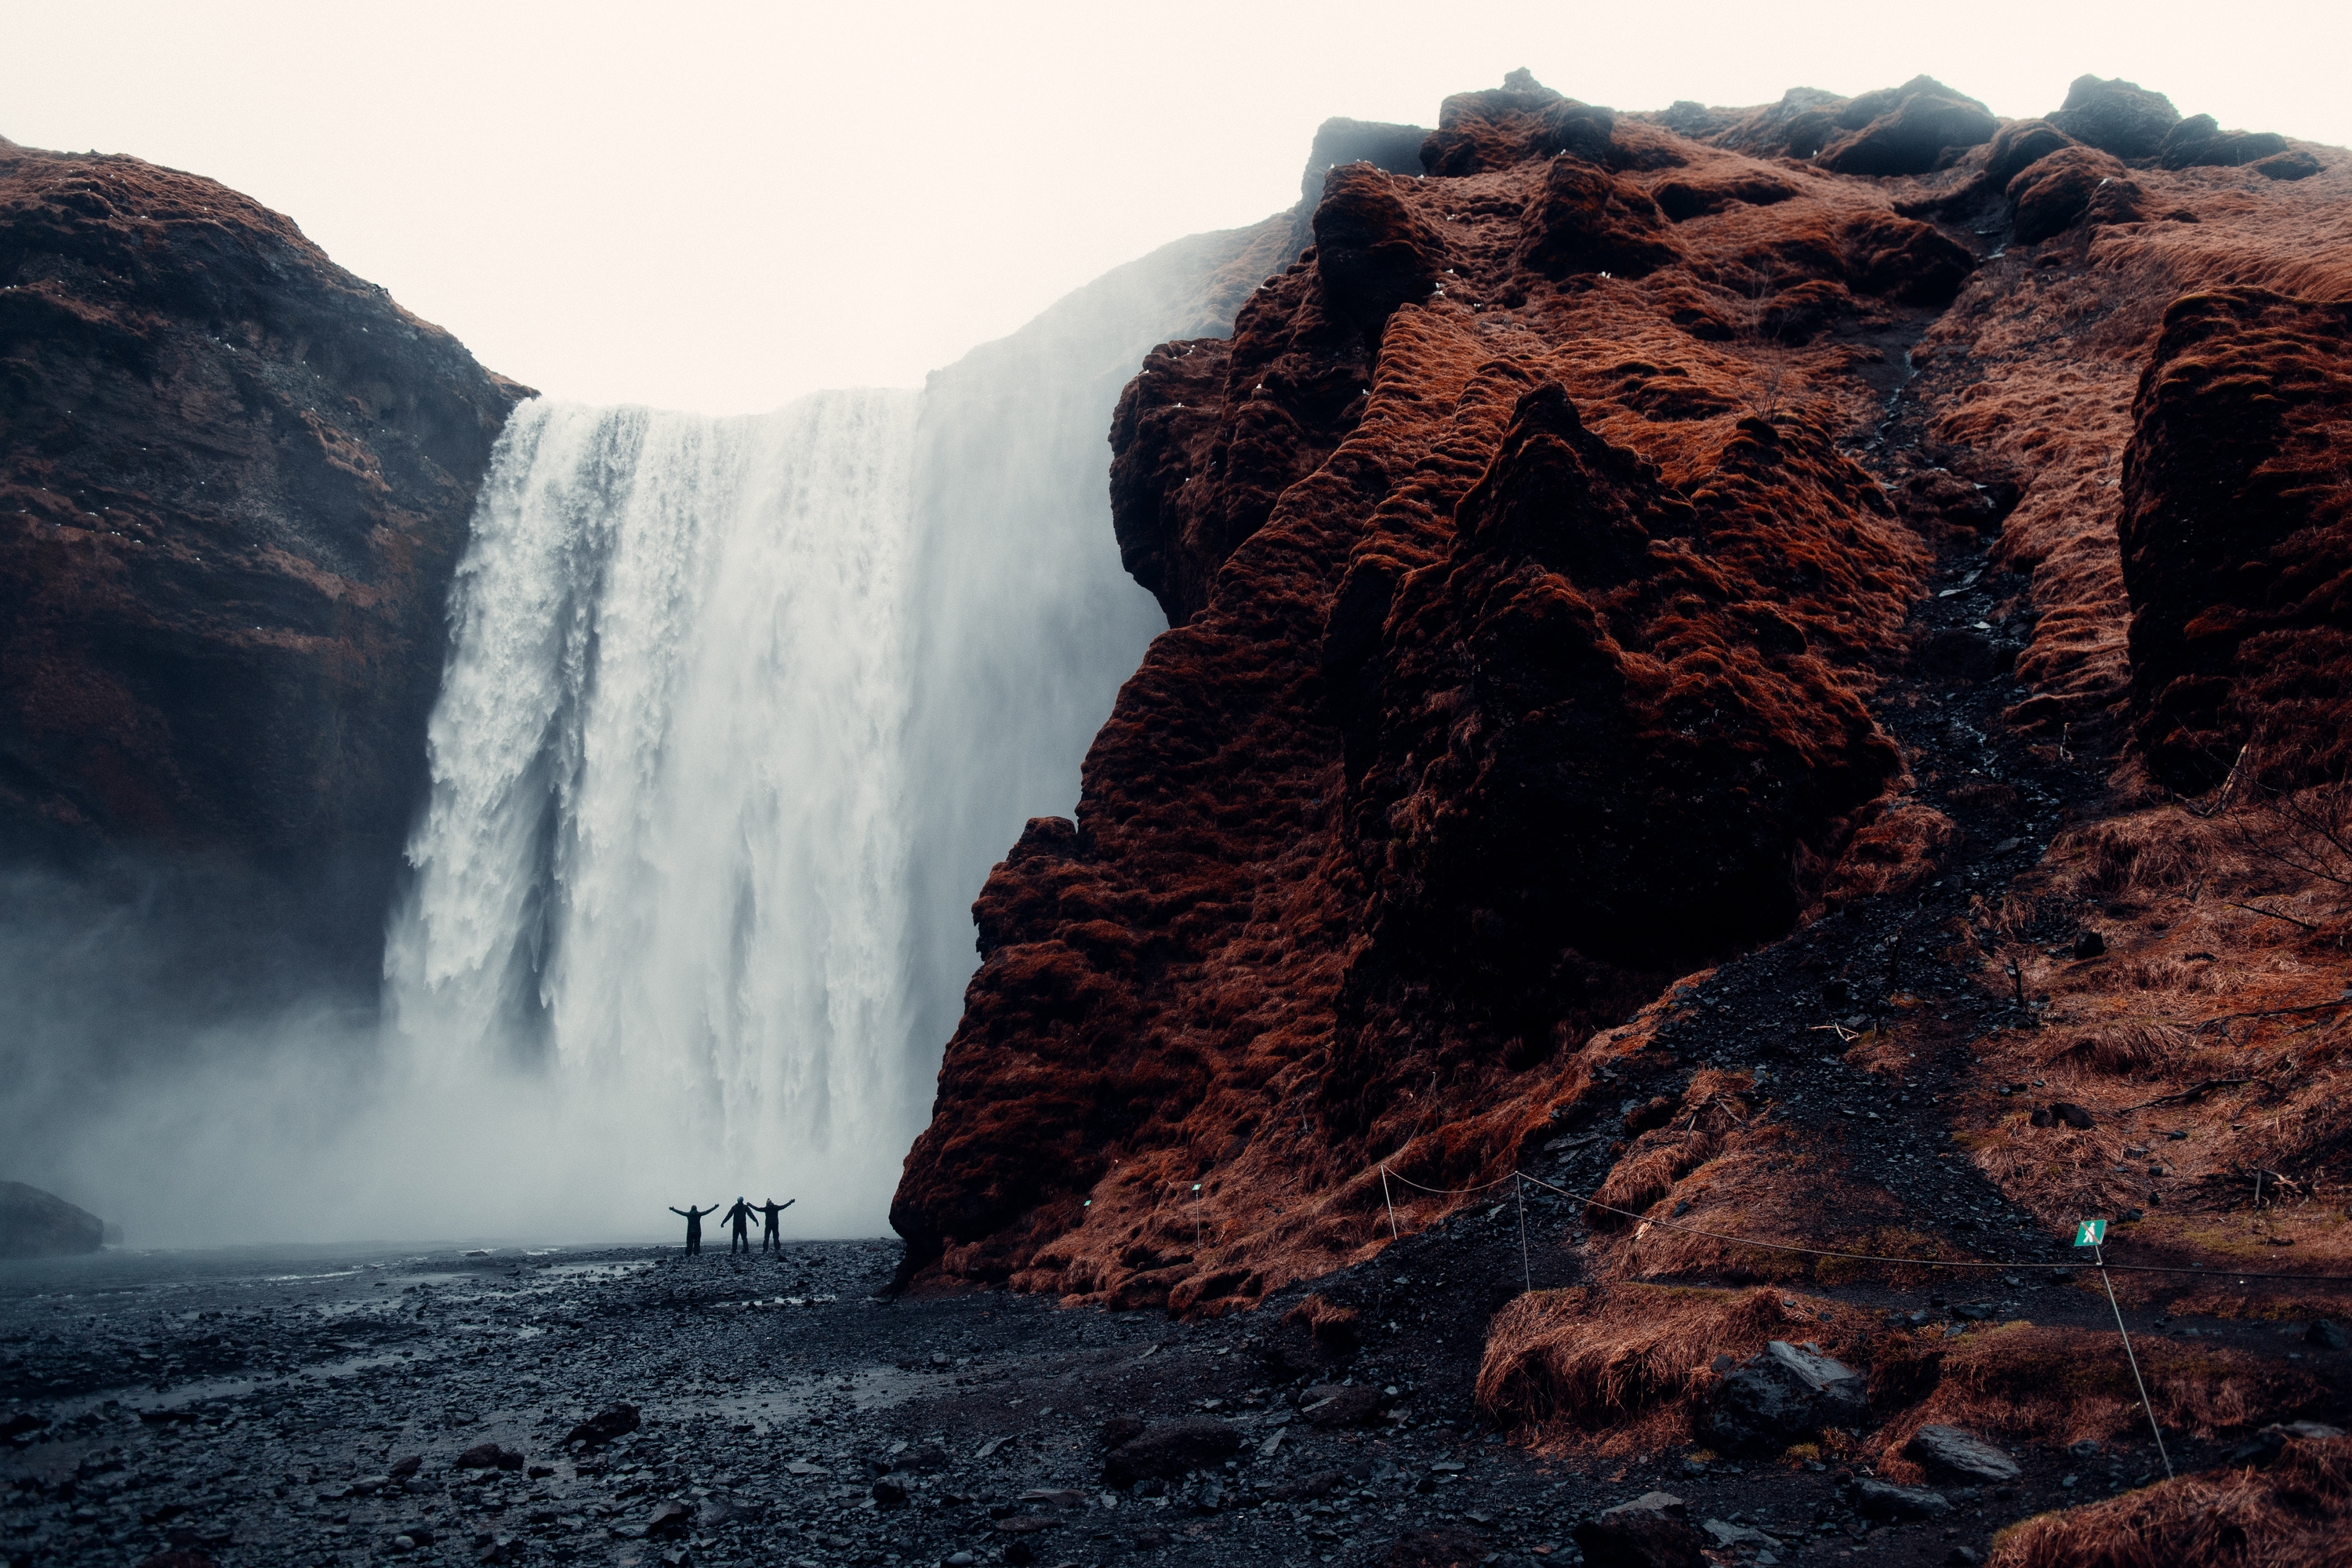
(2100, 1254)
(1384, 1201)
(1527, 1274)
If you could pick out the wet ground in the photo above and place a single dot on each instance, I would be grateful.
(254, 1409)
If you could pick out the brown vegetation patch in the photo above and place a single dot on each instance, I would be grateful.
(1629, 1364)
(2291, 1514)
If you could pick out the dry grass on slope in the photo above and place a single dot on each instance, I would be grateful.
(2209, 1041)
(2029, 1382)
(1629, 1366)
(2292, 1515)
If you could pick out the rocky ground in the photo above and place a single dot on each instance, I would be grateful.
(334, 1408)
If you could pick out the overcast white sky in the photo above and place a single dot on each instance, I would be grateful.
(718, 207)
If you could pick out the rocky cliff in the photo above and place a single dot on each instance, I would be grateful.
(1622, 544)
(234, 483)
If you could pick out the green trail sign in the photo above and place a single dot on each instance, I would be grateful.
(2090, 1233)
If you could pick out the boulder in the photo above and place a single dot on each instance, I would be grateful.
(1170, 1449)
(1647, 1532)
(672, 1519)
(1330, 1405)
(1875, 1499)
(2327, 1334)
(1952, 1451)
(2115, 116)
(1772, 1399)
(35, 1224)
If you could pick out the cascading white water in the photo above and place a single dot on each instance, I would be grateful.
(663, 869)
(738, 713)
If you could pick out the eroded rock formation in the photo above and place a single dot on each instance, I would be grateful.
(1537, 551)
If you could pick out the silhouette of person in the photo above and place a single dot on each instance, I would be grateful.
(693, 1225)
(771, 1209)
(738, 1219)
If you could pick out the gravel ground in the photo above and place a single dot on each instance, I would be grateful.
(275, 1394)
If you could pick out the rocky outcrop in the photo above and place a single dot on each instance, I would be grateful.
(234, 483)
(1534, 550)
(35, 1224)
(2115, 116)
(1506, 674)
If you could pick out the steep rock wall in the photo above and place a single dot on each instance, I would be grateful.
(234, 483)
(1536, 549)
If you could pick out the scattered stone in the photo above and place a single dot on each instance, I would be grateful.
(2073, 1115)
(2090, 944)
(1025, 1523)
(1725, 1536)
(1875, 1499)
(888, 1493)
(1437, 1549)
(614, 1420)
(489, 1457)
(1958, 1452)
(1192, 1443)
(671, 1518)
(2293, 164)
(2266, 1443)
(406, 1467)
(1647, 1532)
(1332, 1406)
(2327, 1335)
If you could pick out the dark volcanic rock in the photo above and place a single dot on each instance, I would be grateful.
(235, 481)
(1783, 1394)
(1648, 1532)
(613, 1421)
(2115, 116)
(1331, 1405)
(2237, 541)
(35, 1224)
(1170, 1449)
(1337, 142)
(1875, 1499)
(1949, 1450)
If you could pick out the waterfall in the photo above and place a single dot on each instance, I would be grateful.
(737, 715)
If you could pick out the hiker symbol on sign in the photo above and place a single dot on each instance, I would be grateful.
(2090, 1233)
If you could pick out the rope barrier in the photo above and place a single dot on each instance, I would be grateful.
(1831, 1252)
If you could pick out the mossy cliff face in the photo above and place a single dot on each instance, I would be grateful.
(1537, 551)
